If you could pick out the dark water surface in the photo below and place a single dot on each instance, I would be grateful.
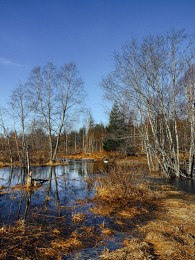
(63, 187)
(182, 184)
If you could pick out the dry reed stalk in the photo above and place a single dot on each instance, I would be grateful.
(78, 217)
(99, 209)
(107, 231)
(134, 249)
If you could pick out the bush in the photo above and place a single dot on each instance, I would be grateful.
(123, 185)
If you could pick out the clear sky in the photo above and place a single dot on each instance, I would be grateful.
(86, 32)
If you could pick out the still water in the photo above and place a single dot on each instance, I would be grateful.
(62, 188)
(180, 184)
(64, 194)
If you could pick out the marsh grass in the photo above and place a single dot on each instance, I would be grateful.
(171, 235)
(122, 186)
(78, 217)
(27, 241)
(134, 249)
(160, 219)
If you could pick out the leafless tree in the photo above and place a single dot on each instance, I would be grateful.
(6, 135)
(56, 95)
(147, 76)
(19, 112)
(188, 109)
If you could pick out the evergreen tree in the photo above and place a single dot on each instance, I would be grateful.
(116, 130)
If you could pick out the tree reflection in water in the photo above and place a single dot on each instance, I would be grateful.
(55, 198)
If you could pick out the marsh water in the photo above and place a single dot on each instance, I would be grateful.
(63, 194)
(62, 187)
(182, 184)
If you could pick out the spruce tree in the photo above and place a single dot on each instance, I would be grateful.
(116, 130)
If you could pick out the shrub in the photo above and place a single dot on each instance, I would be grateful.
(123, 185)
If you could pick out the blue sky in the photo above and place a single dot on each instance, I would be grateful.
(86, 32)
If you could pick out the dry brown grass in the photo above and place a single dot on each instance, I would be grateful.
(1, 164)
(90, 180)
(124, 186)
(166, 231)
(27, 241)
(135, 249)
(67, 244)
(78, 217)
(172, 234)
(3, 190)
(133, 161)
(116, 190)
(126, 196)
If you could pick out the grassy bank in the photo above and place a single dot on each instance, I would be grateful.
(160, 220)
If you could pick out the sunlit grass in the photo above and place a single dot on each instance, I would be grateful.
(124, 186)
(44, 242)
(78, 217)
(164, 226)
(134, 249)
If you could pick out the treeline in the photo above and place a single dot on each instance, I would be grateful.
(37, 126)
(151, 92)
(42, 108)
(33, 145)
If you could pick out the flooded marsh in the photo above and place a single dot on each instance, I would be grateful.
(78, 213)
(55, 218)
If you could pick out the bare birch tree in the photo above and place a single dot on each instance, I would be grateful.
(188, 109)
(56, 95)
(147, 76)
(20, 114)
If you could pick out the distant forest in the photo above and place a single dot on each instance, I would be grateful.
(151, 92)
